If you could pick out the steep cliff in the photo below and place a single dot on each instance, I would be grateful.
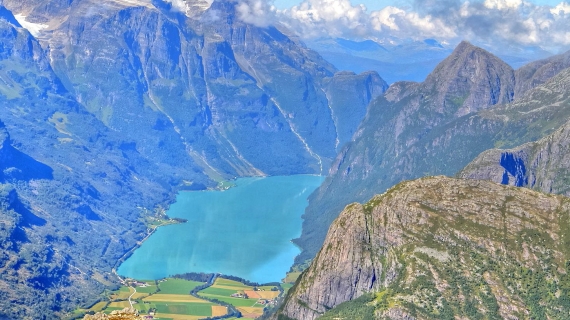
(442, 248)
(543, 165)
(74, 193)
(349, 95)
(206, 87)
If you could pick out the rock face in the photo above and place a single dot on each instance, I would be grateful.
(175, 69)
(441, 248)
(349, 95)
(543, 165)
(419, 129)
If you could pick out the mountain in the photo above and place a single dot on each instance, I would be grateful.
(75, 193)
(441, 248)
(405, 59)
(538, 72)
(396, 61)
(175, 71)
(349, 94)
(543, 165)
(403, 137)
(112, 107)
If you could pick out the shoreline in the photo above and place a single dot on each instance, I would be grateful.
(228, 184)
(139, 243)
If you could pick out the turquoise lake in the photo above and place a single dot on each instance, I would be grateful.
(244, 231)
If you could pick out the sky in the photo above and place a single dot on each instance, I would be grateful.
(379, 4)
(518, 25)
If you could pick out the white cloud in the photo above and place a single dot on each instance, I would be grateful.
(178, 5)
(561, 9)
(503, 4)
(257, 12)
(503, 22)
(399, 22)
(312, 18)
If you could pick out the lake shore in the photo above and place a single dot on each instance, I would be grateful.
(244, 231)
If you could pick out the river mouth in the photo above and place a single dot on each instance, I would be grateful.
(244, 231)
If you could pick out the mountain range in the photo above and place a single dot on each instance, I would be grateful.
(109, 108)
(471, 102)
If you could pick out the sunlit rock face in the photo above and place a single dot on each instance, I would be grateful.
(440, 248)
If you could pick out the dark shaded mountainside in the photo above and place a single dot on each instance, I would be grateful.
(470, 103)
(111, 107)
(543, 165)
(442, 248)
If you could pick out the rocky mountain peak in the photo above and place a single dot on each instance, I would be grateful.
(470, 79)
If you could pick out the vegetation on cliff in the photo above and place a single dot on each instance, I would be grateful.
(442, 248)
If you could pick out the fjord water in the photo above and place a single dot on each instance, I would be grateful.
(244, 231)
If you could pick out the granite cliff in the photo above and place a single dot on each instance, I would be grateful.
(441, 248)
(543, 165)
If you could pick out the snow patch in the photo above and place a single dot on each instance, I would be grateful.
(34, 28)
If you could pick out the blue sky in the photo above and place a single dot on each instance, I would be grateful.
(379, 4)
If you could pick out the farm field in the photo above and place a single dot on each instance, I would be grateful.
(170, 299)
(223, 289)
(177, 286)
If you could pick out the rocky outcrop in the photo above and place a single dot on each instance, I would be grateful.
(440, 248)
(543, 165)
(346, 267)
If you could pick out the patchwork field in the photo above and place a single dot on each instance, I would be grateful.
(159, 297)
(171, 299)
(219, 311)
(251, 312)
(222, 290)
(122, 294)
(177, 286)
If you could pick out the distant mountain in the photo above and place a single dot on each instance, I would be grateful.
(538, 72)
(411, 61)
(242, 100)
(402, 59)
(441, 248)
(435, 127)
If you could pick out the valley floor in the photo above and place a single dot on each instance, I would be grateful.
(171, 298)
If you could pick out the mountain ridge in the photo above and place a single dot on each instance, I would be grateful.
(420, 137)
(443, 248)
